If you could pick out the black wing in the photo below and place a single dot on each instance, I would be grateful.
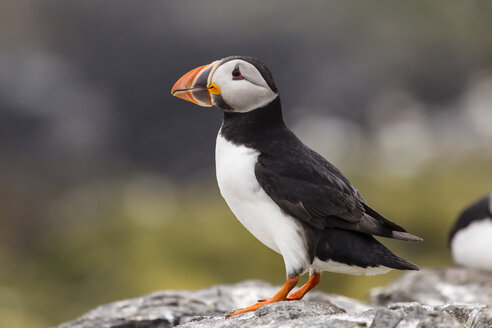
(306, 186)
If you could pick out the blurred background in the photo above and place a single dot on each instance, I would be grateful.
(107, 183)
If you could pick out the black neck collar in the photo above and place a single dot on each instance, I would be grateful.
(256, 128)
(271, 113)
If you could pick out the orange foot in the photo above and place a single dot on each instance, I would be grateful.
(290, 283)
(313, 280)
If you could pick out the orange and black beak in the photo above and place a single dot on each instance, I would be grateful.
(196, 85)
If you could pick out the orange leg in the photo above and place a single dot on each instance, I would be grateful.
(290, 283)
(313, 280)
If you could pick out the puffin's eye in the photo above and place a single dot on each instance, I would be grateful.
(236, 74)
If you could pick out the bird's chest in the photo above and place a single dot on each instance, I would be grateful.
(235, 168)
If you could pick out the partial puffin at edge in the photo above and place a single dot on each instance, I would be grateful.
(288, 196)
(470, 238)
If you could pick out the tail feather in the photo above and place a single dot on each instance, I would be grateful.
(359, 249)
(381, 219)
(402, 264)
(405, 236)
(397, 232)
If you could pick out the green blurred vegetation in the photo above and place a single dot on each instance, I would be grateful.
(129, 236)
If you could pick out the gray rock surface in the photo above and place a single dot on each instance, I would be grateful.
(437, 286)
(410, 302)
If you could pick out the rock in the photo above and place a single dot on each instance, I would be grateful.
(436, 287)
(385, 318)
(404, 304)
(425, 316)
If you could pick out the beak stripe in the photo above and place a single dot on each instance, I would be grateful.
(193, 86)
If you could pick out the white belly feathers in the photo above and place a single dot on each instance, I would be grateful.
(472, 245)
(235, 168)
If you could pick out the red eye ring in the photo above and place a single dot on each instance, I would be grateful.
(236, 74)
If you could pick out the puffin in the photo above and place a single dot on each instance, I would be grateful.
(288, 196)
(470, 238)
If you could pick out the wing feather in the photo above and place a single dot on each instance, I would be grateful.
(315, 192)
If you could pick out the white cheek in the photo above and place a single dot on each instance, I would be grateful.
(244, 96)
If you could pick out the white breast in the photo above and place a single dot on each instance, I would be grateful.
(472, 245)
(235, 168)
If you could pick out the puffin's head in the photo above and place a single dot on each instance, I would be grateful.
(233, 84)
